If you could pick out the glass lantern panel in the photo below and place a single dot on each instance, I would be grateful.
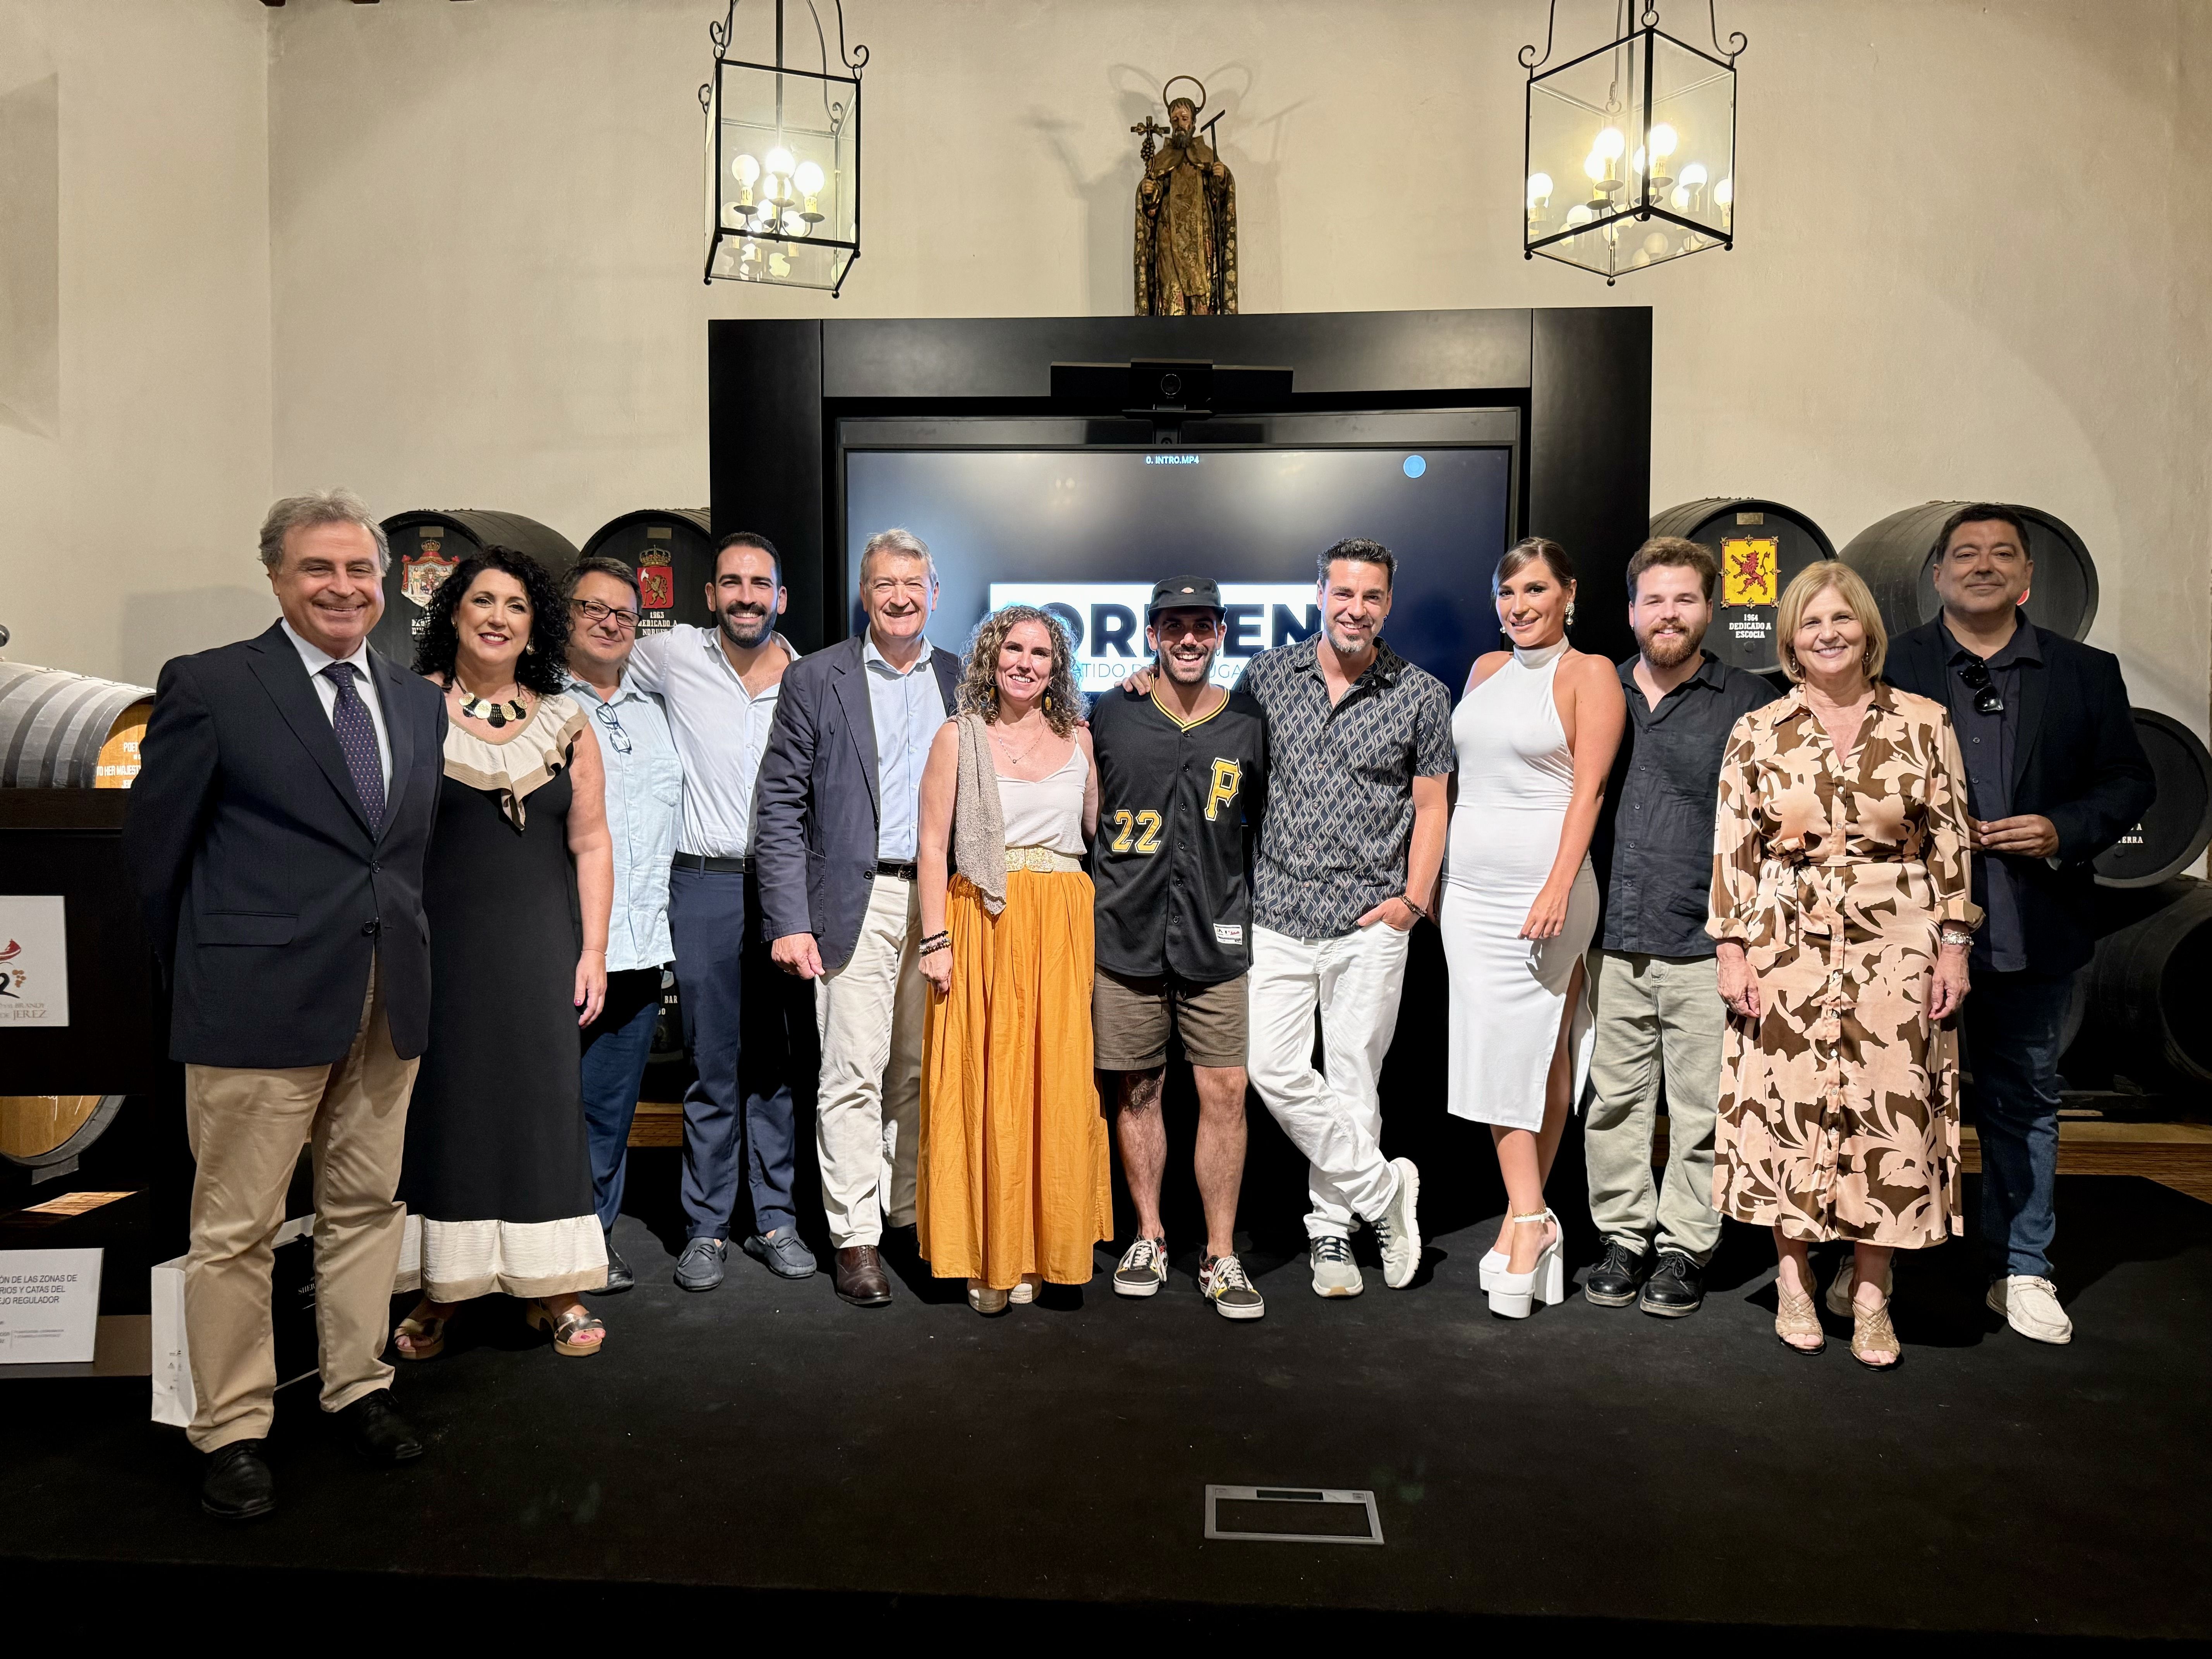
(790, 156)
(787, 262)
(1585, 135)
(1693, 136)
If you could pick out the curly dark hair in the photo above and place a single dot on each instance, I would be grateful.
(543, 662)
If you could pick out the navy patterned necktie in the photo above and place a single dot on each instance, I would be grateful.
(357, 742)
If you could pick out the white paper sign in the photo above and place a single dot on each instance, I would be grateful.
(49, 1306)
(34, 961)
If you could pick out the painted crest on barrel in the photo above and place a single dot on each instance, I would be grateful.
(656, 582)
(1750, 567)
(421, 574)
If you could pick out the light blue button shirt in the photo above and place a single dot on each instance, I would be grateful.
(907, 709)
(645, 805)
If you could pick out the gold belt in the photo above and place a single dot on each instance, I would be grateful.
(1040, 857)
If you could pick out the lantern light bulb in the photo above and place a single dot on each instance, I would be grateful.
(1655, 243)
(1540, 189)
(746, 169)
(1579, 214)
(780, 161)
(808, 178)
(1664, 140)
(1636, 161)
(1610, 144)
(1694, 174)
(1681, 198)
(793, 225)
(1724, 192)
(1593, 165)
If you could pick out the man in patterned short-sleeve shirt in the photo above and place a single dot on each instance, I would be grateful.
(1359, 745)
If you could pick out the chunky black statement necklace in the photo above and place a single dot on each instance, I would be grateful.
(494, 715)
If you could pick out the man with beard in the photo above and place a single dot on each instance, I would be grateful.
(1186, 226)
(749, 1029)
(1181, 780)
(1653, 983)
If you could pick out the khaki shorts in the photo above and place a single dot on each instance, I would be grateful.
(1130, 1019)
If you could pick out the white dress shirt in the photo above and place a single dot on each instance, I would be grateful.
(364, 682)
(720, 729)
(908, 708)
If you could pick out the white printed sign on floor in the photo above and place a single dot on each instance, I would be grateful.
(33, 960)
(49, 1306)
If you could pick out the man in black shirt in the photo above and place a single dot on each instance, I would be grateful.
(1181, 780)
(1654, 986)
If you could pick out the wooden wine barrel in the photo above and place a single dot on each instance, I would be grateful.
(39, 1131)
(672, 550)
(427, 547)
(1760, 545)
(2178, 826)
(64, 731)
(2148, 990)
(1895, 555)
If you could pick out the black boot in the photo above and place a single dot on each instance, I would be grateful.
(1677, 1287)
(1613, 1282)
(238, 1485)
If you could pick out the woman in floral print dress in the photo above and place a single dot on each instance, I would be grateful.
(1842, 905)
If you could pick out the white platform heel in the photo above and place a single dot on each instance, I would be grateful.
(1493, 1263)
(1512, 1296)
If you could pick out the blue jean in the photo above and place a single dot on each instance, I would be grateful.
(2014, 1024)
(750, 1027)
(616, 1046)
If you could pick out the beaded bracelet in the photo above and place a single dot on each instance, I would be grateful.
(935, 942)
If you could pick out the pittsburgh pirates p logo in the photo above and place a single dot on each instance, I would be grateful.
(1227, 776)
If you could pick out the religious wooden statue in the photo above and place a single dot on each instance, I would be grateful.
(1186, 220)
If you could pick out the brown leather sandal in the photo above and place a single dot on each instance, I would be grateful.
(564, 1328)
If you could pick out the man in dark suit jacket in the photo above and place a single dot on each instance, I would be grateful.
(276, 833)
(840, 822)
(2055, 774)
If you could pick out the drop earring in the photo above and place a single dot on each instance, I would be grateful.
(1571, 613)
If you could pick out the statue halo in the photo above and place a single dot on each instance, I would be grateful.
(1194, 81)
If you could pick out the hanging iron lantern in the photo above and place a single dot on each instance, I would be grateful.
(783, 162)
(1629, 149)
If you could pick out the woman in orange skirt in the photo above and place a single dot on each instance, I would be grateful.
(1013, 1168)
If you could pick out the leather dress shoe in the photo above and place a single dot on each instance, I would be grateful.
(860, 1279)
(238, 1485)
(378, 1431)
(700, 1267)
(1677, 1287)
(619, 1276)
(1614, 1281)
(781, 1253)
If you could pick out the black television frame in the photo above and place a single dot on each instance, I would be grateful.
(1580, 378)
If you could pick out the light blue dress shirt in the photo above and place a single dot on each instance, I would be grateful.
(645, 805)
(907, 709)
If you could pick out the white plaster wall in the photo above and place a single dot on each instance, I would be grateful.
(127, 519)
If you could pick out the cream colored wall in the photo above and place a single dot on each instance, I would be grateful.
(128, 502)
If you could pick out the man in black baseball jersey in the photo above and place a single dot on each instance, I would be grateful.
(1182, 782)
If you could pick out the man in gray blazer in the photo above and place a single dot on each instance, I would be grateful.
(840, 815)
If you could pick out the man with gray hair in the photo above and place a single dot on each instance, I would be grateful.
(840, 821)
(275, 833)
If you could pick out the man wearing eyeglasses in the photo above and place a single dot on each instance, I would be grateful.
(645, 804)
(751, 1030)
(2054, 776)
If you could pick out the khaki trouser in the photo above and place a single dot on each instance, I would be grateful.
(246, 1128)
(1657, 1016)
(868, 1111)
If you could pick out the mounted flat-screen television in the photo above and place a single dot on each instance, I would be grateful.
(1032, 511)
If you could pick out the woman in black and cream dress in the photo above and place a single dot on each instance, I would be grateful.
(517, 890)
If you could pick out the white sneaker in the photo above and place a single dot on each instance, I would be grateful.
(1144, 1268)
(1398, 1230)
(2030, 1306)
(1335, 1272)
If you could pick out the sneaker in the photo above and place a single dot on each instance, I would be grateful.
(700, 1267)
(1222, 1281)
(1335, 1272)
(1612, 1283)
(1677, 1287)
(1397, 1229)
(2030, 1306)
(1144, 1268)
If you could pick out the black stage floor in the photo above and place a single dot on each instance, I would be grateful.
(1587, 1464)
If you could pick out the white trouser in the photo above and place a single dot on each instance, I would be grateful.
(1335, 1119)
(868, 1123)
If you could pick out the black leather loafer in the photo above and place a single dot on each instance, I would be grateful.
(1613, 1282)
(1677, 1287)
(238, 1485)
(619, 1276)
(378, 1431)
(781, 1253)
(700, 1267)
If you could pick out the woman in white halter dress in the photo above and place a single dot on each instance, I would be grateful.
(1536, 734)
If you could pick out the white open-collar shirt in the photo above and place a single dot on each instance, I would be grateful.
(721, 731)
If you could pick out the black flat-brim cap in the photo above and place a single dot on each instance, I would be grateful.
(1184, 593)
